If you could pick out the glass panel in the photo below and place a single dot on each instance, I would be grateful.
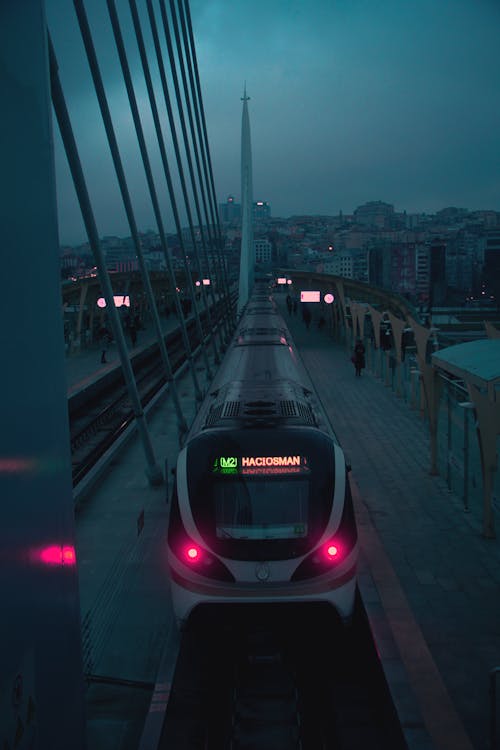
(261, 509)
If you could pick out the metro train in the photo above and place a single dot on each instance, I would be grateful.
(261, 508)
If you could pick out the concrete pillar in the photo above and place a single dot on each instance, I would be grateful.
(431, 387)
(397, 326)
(376, 318)
(41, 681)
(488, 427)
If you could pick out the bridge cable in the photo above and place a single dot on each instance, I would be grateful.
(166, 169)
(152, 188)
(161, 67)
(153, 471)
(211, 196)
(193, 132)
(190, 47)
(180, 108)
(204, 148)
(115, 152)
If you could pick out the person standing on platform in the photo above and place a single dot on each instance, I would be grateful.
(132, 330)
(104, 338)
(358, 357)
(306, 316)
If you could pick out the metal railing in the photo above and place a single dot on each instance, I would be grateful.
(458, 448)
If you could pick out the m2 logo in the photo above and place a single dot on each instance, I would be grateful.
(230, 462)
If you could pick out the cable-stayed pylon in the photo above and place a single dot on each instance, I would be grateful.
(247, 260)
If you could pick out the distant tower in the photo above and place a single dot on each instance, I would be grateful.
(247, 259)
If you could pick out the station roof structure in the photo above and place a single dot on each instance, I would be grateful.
(476, 362)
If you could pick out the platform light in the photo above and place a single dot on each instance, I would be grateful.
(328, 298)
(281, 280)
(56, 554)
(289, 281)
(206, 282)
(198, 283)
(118, 299)
(310, 296)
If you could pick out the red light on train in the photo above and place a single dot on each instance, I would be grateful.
(332, 551)
(193, 554)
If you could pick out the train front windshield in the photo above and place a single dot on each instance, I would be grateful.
(258, 494)
(261, 509)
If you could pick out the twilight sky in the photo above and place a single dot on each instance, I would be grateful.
(351, 100)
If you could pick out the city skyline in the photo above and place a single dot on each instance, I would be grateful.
(348, 103)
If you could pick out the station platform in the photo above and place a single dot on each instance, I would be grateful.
(429, 580)
(84, 364)
(433, 573)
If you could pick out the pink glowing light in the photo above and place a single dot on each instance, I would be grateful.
(15, 465)
(68, 556)
(332, 551)
(56, 554)
(193, 554)
(118, 299)
(328, 298)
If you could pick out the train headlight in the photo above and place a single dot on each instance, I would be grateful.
(193, 554)
(332, 551)
(321, 560)
(189, 552)
(336, 549)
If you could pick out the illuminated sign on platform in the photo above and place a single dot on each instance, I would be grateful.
(206, 282)
(310, 296)
(119, 300)
(281, 280)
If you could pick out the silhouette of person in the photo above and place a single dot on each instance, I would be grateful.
(358, 357)
(104, 338)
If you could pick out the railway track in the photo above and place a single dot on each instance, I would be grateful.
(287, 677)
(102, 413)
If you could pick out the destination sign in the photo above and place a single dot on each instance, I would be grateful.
(293, 464)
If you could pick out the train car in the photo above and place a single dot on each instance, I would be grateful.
(261, 508)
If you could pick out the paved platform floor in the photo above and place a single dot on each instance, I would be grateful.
(445, 571)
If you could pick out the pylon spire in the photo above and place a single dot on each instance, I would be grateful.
(247, 259)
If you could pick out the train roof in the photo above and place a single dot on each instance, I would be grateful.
(244, 404)
(261, 382)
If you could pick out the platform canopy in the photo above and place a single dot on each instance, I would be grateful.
(476, 362)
